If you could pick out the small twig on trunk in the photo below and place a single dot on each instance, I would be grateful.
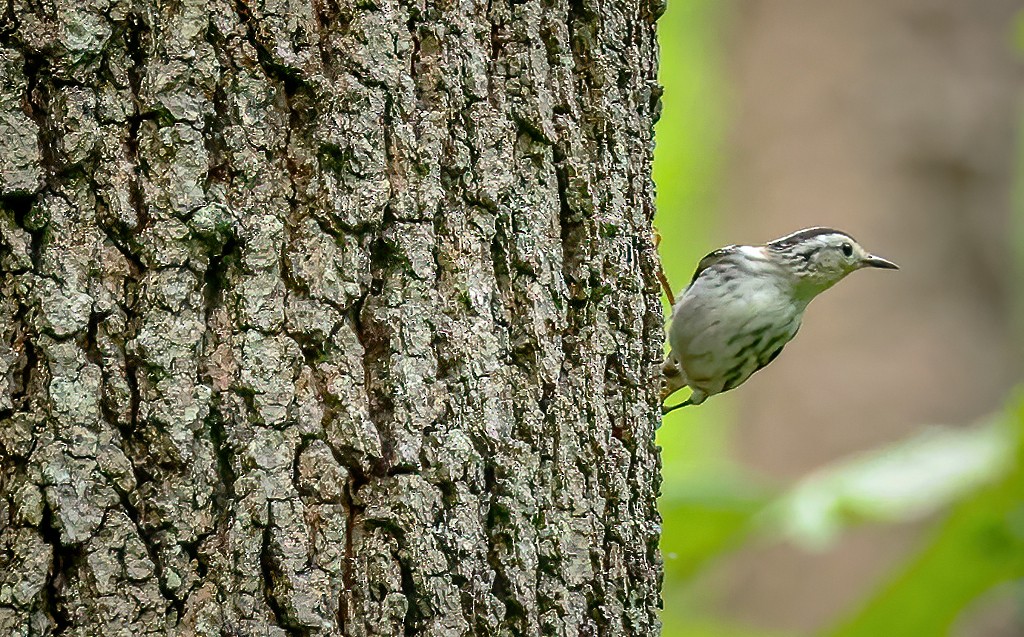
(661, 273)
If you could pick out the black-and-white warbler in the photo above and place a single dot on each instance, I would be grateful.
(745, 303)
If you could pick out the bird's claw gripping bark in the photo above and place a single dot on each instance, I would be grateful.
(672, 380)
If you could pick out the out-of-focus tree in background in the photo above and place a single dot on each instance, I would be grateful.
(872, 481)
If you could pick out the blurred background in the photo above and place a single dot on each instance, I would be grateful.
(871, 481)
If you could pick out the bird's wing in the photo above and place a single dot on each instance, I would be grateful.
(712, 259)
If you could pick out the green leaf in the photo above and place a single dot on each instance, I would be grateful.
(898, 483)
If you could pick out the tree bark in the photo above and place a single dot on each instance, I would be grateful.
(328, 319)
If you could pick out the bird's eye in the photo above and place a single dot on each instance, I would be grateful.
(848, 249)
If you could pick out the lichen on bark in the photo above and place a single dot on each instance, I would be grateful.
(330, 318)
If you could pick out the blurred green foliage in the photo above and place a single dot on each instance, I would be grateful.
(977, 547)
(969, 481)
(706, 503)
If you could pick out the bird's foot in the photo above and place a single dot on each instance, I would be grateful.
(667, 409)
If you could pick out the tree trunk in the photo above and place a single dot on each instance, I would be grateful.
(329, 319)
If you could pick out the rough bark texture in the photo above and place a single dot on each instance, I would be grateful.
(327, 319)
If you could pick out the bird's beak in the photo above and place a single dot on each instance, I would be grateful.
(872, 261)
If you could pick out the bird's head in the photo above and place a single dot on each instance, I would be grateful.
(820, 257)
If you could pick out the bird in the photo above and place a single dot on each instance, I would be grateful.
(746, 302)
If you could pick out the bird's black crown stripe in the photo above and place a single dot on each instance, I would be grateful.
(799, 237)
